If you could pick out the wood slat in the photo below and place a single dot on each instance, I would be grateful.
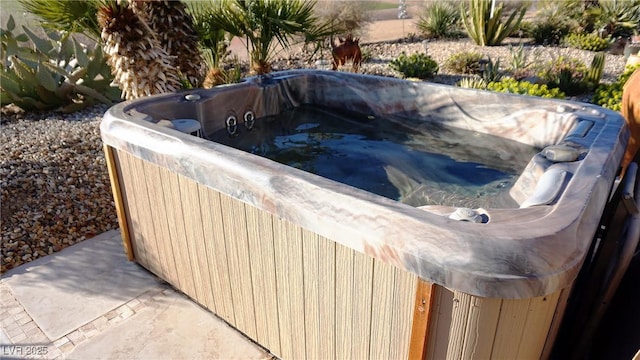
(556, 322)
(481, 328)
(310, 259)
(327, 293)
(235, 233)
(179, 244)
(381, 311)
(423, 312)
(438, 336)
(151, 258)
(129, 191)
(118, 200)
(263, 268)
(513, 317)
(539, 317)
(194, 233)
(402, 318)
(361, 310)
(459, 316)
(213, 227)
(160, 222)
(344, 298)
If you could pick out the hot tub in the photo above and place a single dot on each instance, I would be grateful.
(311, 267)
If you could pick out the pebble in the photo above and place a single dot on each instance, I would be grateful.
(52, 176)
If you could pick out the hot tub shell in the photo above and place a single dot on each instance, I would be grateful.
(311, 268)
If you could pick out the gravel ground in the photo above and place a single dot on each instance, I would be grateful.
(54, 182)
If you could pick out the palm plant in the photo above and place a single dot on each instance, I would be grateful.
(260, 22)
(484, 24)
(174, 29)
(139, 63)
(67, 16)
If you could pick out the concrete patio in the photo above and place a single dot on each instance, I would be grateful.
(89, 302)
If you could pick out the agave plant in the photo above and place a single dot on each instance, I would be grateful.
(139, 63)
(260, 22)
(174, 29)
(52, 72)
(484, 24)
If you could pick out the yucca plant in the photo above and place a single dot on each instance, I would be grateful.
(485, 26)
(139, 63)
(173, 27)
(261, 23)
(439, 20)
(54, 72)
(68, 16)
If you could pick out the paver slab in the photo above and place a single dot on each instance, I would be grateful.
(68, 289)
(173, 328)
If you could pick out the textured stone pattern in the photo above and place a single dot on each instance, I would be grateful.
(25, 335)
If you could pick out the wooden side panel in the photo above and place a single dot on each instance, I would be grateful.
(160, 222)
(481, 328)
(119, 199)
(440, 324)
(289, 278)
(263, 270)
(459, 315)
(383, 285)
(344, 299)
(402, 313)
(193, 233)
(235, 230)
(213, 227)
(424, 310)
(555, 324)
(179, 244)
(310, 260)
(362, 310)
(513, 317)
(148, 249)
(297, 293)
(327, 292)
(539, 317)
(129, 201)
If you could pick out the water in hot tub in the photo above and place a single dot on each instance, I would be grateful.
(415, 162)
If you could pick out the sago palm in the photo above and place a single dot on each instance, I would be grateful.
(260, 22)
(139, 63)
(68, 16)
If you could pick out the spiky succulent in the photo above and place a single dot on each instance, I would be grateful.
(139, 63)
(174, 29)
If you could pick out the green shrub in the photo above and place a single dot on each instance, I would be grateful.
(420, 66)
(487, 28)
(554, 20)
(610, 95)
(440, 20)
(57, 73)
(591, 42)
(548, 32)
(465, 62)
(567, 74)
(509, 85)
